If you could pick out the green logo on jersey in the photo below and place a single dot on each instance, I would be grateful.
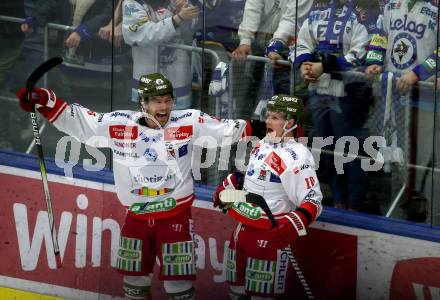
(177, 259)
(153, 207)
(129, 254)
(247, 210)
(259, 276)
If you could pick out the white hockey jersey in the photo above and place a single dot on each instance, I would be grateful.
(152, 167)
(284, 175)
(408, 40)
(275, 17)
(145, 29)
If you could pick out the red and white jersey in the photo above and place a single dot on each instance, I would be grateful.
(284, 175)
(150, 165)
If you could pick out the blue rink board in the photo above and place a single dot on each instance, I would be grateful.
(204, 192)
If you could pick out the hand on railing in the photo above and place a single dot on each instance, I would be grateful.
(406, 81)
(311, 71)
(73, 40)
(242, 52)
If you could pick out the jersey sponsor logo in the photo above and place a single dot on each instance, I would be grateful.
(150, 154)
(130, 145)
(153, 207)
(292, 153)
(122, 132)
(281, 271)
(304, 167)
(375, 56)
(258, 276)
(276, 163)
(177, 118)
(177, 259)
(426, 11)
(179, 133)
(129, 254)
(183, 150)
(120, 114)
(151, 179)
(379, 41)
(247, 210)
(399, 25)
(125, 154)
(404, 51)
(430, 64)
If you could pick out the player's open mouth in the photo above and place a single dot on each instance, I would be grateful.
(161, 116)
(269, 130)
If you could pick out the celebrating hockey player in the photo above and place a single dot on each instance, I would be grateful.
(281, 170)
(152, 153)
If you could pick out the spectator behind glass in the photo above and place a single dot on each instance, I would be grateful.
(11, 39)
(122, 58)
(333, 98)
(217, 31)
(87, 58)
(266, 30)
(148, 25)
(406, 45)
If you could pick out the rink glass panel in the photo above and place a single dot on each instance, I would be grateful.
(414, 180)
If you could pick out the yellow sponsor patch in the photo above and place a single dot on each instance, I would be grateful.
(11, 294)
(379, 41)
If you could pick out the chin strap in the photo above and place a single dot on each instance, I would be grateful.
(278, 139)
(148, 116)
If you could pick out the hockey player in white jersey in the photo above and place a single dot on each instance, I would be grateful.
(282, 171)
(152, 160)
(146, 24)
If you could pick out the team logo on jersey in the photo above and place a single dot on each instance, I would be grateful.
(122, 132)
(404, 51)
(263, 174)
(150, 154)
(178, 133)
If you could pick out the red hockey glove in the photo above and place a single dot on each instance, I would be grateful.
(232, 181)
(38, 97)
(290, 227)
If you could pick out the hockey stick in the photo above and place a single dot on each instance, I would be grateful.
(232, 196)
(30, 85)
